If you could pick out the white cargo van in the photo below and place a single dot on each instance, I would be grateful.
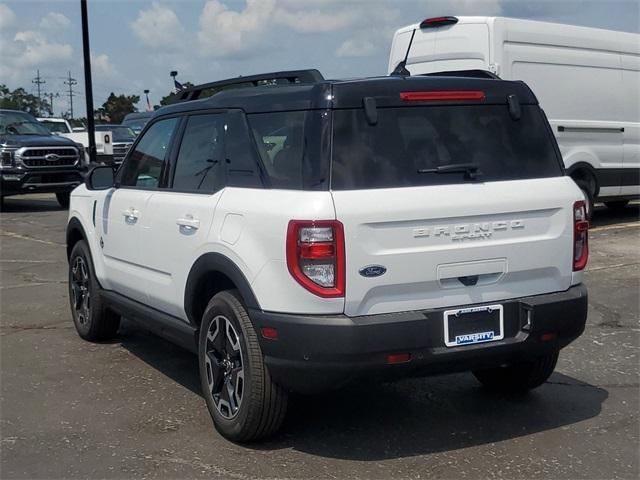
(586, 79)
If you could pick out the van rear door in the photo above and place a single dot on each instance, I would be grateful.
(463, 46)
(450, 205)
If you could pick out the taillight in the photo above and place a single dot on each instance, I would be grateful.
(438, 22)
(580, 236)
(443, 96)
(315, 256)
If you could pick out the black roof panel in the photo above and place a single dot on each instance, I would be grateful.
(327, 94)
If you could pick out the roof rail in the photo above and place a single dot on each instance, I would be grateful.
(463, 73)
(274, 78)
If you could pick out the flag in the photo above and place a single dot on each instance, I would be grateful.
(178, 86)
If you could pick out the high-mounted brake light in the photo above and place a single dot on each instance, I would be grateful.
(316, 256)
(443, 96)
(580, 236)
(438, 22)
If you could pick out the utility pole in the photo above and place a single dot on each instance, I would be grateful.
(38, 81)
(71, 82)
(51, 97)
(88, 87)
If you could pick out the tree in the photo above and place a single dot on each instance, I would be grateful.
(166, 99)
(19, 99)
(117, 106)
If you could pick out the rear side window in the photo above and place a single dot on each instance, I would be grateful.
(144, 166)
(201, 156)
(294, 148)
(408, 143)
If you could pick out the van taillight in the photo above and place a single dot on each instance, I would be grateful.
(580, 236)
(316, 257)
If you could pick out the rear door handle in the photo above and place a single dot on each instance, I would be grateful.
(188, 223)
(130, 215)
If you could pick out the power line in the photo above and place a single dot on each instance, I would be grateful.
(71, 82)
(38, 81)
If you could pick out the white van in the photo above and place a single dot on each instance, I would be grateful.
(587, 80)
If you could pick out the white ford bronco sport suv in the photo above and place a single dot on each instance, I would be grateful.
(298, 233)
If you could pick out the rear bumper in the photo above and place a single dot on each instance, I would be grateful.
(315, 352)
(18, 182)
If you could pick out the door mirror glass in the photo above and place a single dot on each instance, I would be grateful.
(100, 178)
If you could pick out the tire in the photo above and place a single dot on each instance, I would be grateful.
(93, 320)
(518, 377)
(244, 403)
(63, 199)
(617, 205)
(588, 191)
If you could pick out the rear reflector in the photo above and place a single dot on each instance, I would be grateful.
(316, 257)
(398, 358)
(269, 333)
(438, 22)
(548, 337)
(443, 96)
(580, 236)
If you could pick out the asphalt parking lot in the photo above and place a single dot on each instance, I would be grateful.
(132, 409)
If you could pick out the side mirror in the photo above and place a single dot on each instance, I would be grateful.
(100, 178)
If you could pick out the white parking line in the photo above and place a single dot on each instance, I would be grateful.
(620, 226)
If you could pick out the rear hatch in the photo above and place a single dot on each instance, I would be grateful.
(449, 203)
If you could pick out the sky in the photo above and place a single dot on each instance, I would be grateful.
(136, 43)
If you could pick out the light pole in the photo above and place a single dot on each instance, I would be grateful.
(91, 129)
(146, 94)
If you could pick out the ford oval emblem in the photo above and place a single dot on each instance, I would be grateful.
(372, 271)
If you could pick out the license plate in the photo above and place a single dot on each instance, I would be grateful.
(468, 326)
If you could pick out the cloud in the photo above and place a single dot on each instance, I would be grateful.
(224, 32)
(54, 22)
(101, 66)
(356, 47)
(159, 27)
(31, 48)
(7, 17)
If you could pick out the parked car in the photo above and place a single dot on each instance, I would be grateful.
(586, 79)
(56, 125)
(406, 226)
(137, 120)
(122, 137)
(32, 160)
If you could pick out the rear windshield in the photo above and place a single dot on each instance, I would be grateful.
(407, 145)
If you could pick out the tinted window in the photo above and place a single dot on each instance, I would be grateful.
(201, 156)
(55, 127)
(18, 123)
(240, 153)
(407, 144)
(120, 133)
(144, 166)
(294, 147)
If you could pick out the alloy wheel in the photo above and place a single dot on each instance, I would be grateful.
(81, 290)
(225, 369)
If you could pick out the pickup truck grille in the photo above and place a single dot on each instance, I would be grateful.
(120, 150)
(37, 157)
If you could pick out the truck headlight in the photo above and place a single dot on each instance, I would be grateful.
(6, 158)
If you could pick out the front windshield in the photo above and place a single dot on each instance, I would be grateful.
(136, 125)
(17, 123)
(55, 127)
(119, 132)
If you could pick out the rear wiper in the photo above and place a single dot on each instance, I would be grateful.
(470, 170)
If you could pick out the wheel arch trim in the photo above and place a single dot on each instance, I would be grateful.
(210, 263)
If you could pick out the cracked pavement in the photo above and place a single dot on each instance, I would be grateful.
(131, 408)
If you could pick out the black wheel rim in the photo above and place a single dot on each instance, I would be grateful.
(80, 290)
(225, 369)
